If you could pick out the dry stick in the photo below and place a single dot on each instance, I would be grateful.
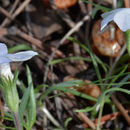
(69, 33)
(62, 14)
(36, 42)
(31, 39)
(65, 17)
(108, 117)
(5, 13)
(11, 11)
(14, 6)
(82, 7)
(121, 108)
(20, 9)
(68, 104)
(15, 31)
(89, 6)
(86, 120)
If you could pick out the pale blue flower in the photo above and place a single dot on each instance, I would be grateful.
(20, 56)
(120, 16)
(6, 58)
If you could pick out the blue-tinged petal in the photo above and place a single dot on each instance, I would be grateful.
(104, 15)
(110, 16)
(122, 19)
(106, 20)
(3, 49)
(4, 59)
(22, 56)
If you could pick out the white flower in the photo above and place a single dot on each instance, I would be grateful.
(120, 16)
(5, 70)
(6, 58)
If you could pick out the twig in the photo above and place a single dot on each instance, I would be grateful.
(63, 15)
(18, 11)
(11, 11)
(69, 103)
(66, 18)
(82, 7)
(5, 13)
(69, 33)
(121, 108)
(89, 7)
(86, 120)
(21, 8)
(15, 31)
(107, 117)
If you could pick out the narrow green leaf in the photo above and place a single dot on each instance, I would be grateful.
(95, 64)
(31, 106)
(119, 75)
(127, 36)
(73, 58)
(65, 87)
(67, 122)
(19, 47)
(39, 87)
(89, 51)
(23, 104)
(97, 5)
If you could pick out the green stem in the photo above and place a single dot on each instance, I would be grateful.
(100, 112)
(17, 121)
(127, 37)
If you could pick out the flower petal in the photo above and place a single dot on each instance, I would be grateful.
(104, 15)
(3, 49)
(122, 19)
(4, 59)
(107, 19)
(5, 70)
(109, 16)
(22, 56)
(120, 16)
